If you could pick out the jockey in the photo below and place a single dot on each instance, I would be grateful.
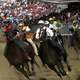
(51, 34)
(55, 37)
(74, 26)
(45, 26)
(52, 23)
(73, 30)
(54, 29)
(12, 33)
(27, 29)
(52, 19)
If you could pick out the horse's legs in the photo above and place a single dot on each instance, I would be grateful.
(77, 52)
(66, 60)
(68, 66)
(54, 69)
(61, 69)
(28, 69)
(22, 66)
(64, 56)
(67, 63)
(32, 66)
(22, 71)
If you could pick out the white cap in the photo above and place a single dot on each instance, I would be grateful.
(40, 22)
(46, 22)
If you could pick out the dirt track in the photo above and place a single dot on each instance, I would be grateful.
(8, 72)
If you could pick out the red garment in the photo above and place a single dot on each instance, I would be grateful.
(7, 28)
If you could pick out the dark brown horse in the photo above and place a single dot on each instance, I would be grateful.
(19, 58)
(52, 55)
(75, 41)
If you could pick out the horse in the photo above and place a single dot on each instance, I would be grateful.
(19, 57)
(75, 41)
(58, 42)
(50, 56)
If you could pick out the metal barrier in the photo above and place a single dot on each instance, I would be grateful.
(66, 34)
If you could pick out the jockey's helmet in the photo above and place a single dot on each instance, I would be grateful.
(40, 22)
(50, 19)
(74, 22)
(46, 23)
(20, 24)
(54, 17)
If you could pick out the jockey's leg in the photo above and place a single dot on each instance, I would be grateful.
(33, 45)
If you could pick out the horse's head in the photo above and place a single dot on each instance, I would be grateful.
(43, 36)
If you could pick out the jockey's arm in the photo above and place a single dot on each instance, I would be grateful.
(50, 33)
(26, 28)
(37, 33)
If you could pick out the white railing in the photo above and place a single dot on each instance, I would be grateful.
(66, 34)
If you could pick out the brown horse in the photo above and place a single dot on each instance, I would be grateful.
(18, 57)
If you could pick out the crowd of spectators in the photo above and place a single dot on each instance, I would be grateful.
(30, 11)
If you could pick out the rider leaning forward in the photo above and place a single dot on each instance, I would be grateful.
(12, 33)
(27, 29)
